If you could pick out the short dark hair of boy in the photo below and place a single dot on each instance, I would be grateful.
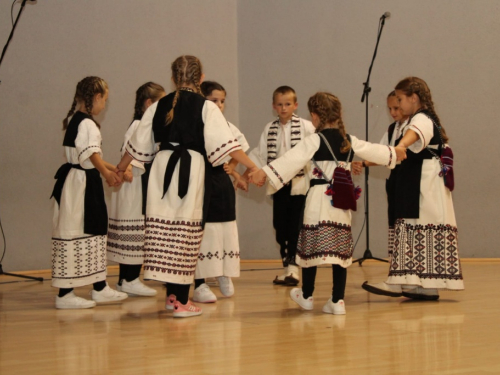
(283, 90)
(392, 93)
(208, 86)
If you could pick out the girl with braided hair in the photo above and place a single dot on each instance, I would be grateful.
(325, 235)
(425, 256)
(80, 220)
(193, 136)
(126, 216)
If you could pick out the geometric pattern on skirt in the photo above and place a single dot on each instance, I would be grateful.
(219, 251)
(325, 240)
(126, 241)
(427, 251)
(171, 249)
(79, 261)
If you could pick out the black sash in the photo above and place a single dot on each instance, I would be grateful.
(95, 212)
(145, 183)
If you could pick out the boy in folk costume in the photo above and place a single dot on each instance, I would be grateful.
(278, 137)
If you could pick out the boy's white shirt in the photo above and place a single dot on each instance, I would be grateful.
(300, 185)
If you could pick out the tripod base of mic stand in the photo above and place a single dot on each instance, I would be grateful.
(23, 276)
(368, 255)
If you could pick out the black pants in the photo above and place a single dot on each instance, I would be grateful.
(339, 281)
(287, 221)
(98, 286)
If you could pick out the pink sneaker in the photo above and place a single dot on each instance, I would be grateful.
(169, 303)
(185, 311)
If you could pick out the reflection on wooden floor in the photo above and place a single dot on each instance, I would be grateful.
(258, 331)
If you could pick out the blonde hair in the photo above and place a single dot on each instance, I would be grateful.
(86, 89)
(328, 108)
(417, 86)
(186, 70)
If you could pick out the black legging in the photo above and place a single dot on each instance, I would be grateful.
(129, 272)
(339, 281)
(98, 286)
(180, 291)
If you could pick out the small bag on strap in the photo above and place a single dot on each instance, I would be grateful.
(446, 160)
(340, 188)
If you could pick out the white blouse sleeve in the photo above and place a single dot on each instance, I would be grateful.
(219, 140)
(423, 126)
(138, 167)
(88, 141)
(378, 154)
(240, 137)
(141, 145)
(286, 167)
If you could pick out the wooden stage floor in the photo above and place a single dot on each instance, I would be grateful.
(258, 331)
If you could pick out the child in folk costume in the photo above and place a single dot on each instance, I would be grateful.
(193, 136)
(80, 220)
(325, 235)
(278, 137)
(126, 221)
(220, 251)
(389, 138)
(425, 251)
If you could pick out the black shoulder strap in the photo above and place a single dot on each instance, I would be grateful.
(72, 129)
(390, 131)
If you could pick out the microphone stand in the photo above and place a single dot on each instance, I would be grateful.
(366, 93)
(1, 59)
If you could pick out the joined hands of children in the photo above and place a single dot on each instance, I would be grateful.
(113, 178)
(400, 152)
(257, 176)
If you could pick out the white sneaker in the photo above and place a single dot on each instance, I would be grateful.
(383, 289)
(297, 296)
(226, 286)
(72, 301)
(422, 294)
(203, 294)
(108, 295)
(334, 308)
(136, 288)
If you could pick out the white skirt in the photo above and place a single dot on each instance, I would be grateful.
(325, 236)
(219, 251)
(425, 250)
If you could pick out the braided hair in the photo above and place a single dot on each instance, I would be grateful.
(414, 85)
(149, 90)
(186, 70)
(329, 110)
(86, 89)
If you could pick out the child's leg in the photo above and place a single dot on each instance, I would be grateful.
(129, 272)
(308, 280)
(64, 291)
(339, 282)
(281, 201)
(294, 218)
(180, 291)
(100, 285)
(198, 282)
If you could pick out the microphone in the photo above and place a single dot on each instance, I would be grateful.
(385, 15)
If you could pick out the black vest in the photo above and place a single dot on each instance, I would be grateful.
(403, 185)
(186, 129)
(335, 139)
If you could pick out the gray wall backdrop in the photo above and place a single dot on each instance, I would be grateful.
(251, 47)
